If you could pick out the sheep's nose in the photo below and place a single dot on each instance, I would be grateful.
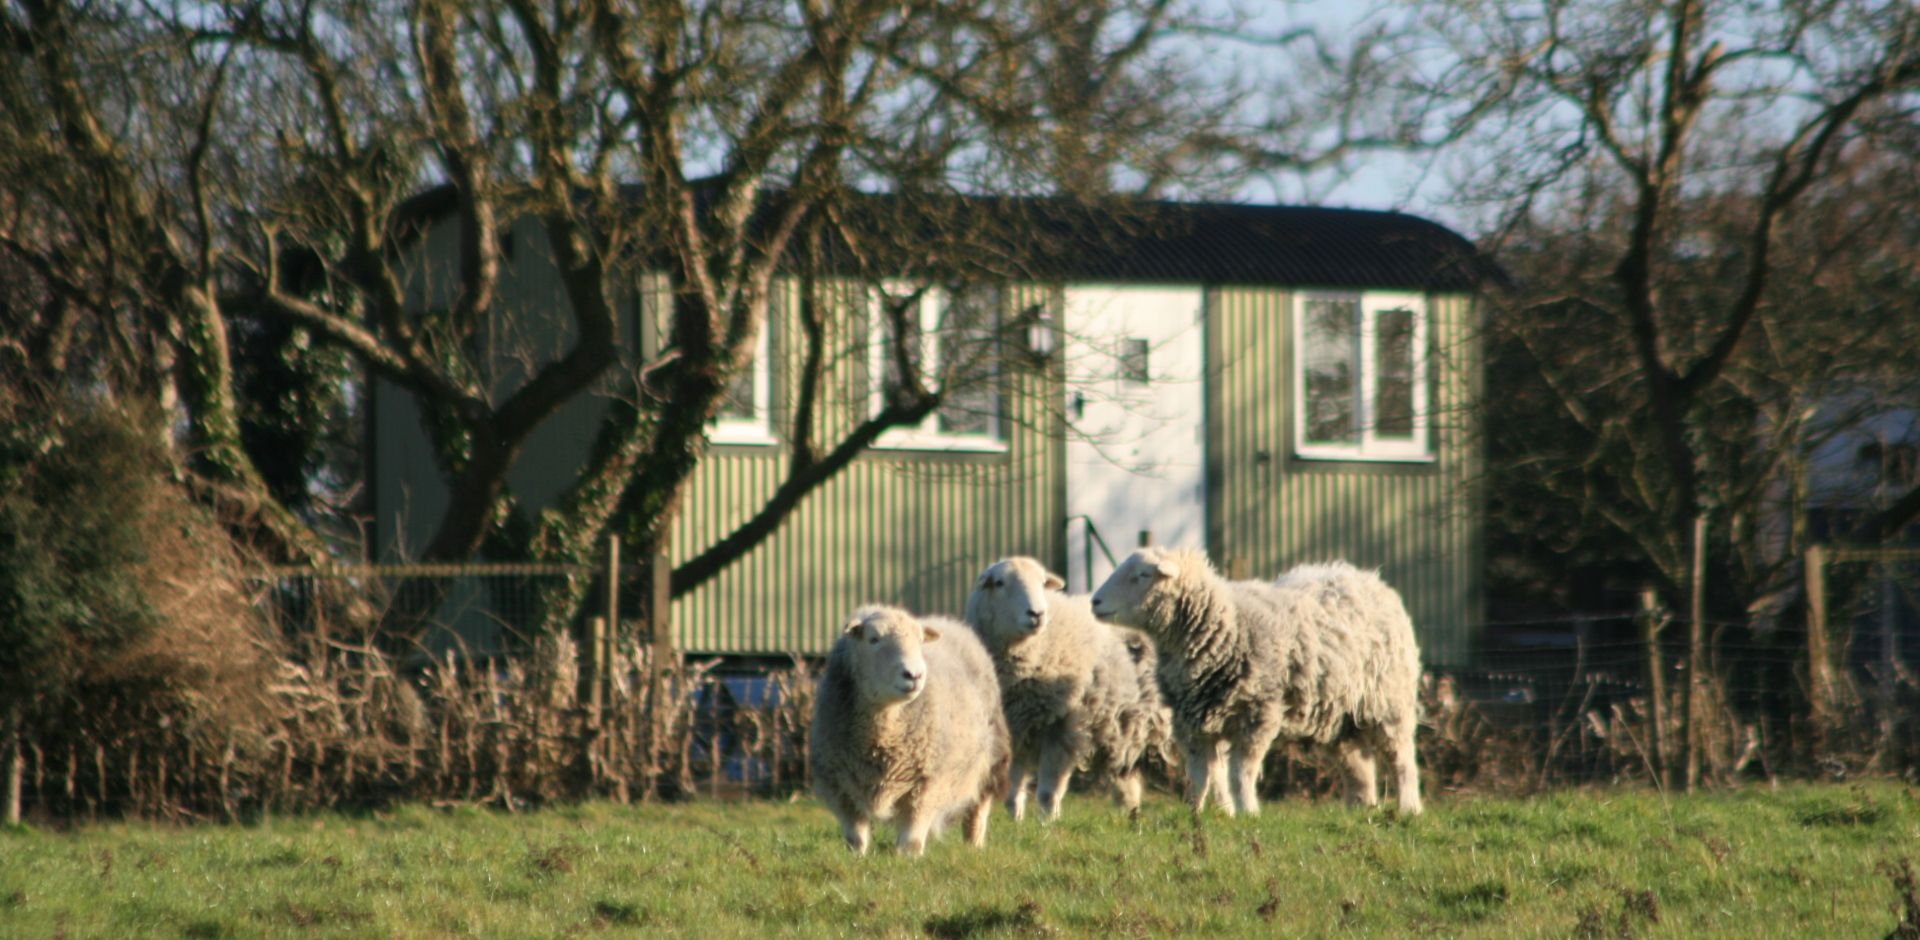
(912, 676)
(1033, 616)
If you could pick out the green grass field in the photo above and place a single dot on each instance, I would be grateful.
(1793, 861)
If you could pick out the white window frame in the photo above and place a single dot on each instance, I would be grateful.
(927, 435)
(1368, 445)
(757, 430)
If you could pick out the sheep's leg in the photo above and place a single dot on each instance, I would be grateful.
(1129, 785)
(1056, 769)
(915, 828)
(1205, 763)
(1018, 775)
(1400, 748)
(858, 831)
(976, 828)
(1361, 786)
(1218, 772)
(1248, 754)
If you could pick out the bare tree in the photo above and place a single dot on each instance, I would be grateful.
(1651, 161)
(177, 175)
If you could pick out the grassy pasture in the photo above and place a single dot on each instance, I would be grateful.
(1792, 861)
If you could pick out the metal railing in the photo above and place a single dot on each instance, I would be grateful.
(1093, 540)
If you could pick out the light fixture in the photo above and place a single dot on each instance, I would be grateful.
(1039, 332)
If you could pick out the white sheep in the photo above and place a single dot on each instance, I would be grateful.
(907, 726)
(1077, 692)
(1324, 654)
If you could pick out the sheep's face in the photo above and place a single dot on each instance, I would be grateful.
(1130, 589)
(1008, 603)
(888, 659)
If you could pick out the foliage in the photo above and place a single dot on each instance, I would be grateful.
(75, 482)
(123, 617)
(1756, 862)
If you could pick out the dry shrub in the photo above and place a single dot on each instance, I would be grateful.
(208, 659)
(150, 660)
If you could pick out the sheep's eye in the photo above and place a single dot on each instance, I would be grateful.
(873, 641)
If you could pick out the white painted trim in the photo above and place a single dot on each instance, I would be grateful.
(926, 436)
(756, 431)
(1370, 447)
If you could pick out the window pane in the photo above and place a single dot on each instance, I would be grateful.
(1393, 360)
(739, 401)
(896, 313)
(969, 359)
(1330, 358)
(1134, 365)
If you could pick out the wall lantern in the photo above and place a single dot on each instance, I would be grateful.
(1038, 321)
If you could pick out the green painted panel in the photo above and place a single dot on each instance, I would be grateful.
(1416, 523)
(903, 527)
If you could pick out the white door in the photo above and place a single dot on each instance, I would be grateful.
(1136, 448)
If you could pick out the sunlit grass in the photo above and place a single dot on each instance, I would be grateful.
(1792, 861)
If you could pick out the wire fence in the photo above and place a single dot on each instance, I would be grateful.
(492, 705)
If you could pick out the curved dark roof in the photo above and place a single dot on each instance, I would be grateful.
(1309, 246)
(1208, 243)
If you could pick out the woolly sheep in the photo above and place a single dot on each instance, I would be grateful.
(1324, 654)
(1076, 692)
(907, 726)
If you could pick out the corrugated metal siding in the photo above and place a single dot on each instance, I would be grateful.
(1416, 523)
(912, 527)
(902, 527)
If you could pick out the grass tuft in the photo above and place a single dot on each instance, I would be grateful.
(1908, 904)
(1474, 902)
(1860, 809)
(617, 914)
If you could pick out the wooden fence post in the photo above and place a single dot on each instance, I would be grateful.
(1819, 662)
(1691, 730)
(16, 764)
(1651, 620)
(661, 655)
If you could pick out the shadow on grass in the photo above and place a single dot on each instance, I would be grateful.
(979, 920)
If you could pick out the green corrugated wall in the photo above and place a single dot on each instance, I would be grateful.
(1417, 523)
(903, 527)
(912, 527)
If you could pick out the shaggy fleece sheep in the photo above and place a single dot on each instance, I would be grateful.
(1323, 654)
(1077, 693)
(907, 726)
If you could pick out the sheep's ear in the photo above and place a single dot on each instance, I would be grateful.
(1055, 582)
(929, 634)
(857, 629)
(1166, 569)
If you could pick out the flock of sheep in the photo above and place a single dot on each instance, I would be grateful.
(925, 720)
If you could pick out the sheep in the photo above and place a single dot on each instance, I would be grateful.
(1324, 654)
(1076, 692)
(907, 726)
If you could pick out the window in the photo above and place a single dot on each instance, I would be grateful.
(746, 413)
(1134, 361)
(1360, 378)
(955, 346)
